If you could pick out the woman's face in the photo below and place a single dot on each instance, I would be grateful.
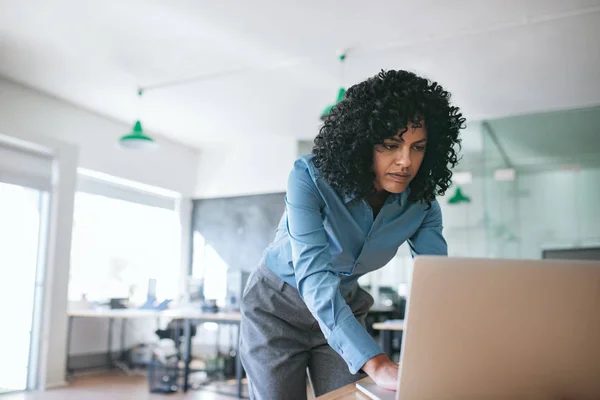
(397, 160)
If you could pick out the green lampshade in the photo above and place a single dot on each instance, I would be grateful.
(327, 109)
(511, 238)
(137, 139)
(459, 197)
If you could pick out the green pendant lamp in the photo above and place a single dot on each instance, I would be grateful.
(459, 197)
(341, 92)
(137, 139)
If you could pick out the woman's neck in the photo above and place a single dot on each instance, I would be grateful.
(376, 201)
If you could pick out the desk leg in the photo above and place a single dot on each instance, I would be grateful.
(187, 332)
(69, 330)
(238, 364)
(109, 352)
(123, 334)
(217, 347)
(387, 338)
(177, 338)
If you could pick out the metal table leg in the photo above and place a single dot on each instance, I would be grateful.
(187, 333)
(69, 333)
(109, 359)
(123, 334)
(238, 365)
(122, 363)
(387, 339)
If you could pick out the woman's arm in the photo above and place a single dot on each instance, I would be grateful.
(317, 281)
(428, 239)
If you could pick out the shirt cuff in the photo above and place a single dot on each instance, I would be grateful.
(353, 343)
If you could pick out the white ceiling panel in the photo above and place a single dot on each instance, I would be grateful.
(269, 67)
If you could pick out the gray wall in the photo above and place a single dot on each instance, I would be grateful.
(238, 228)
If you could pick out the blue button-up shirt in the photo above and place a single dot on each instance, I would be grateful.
(325, 242)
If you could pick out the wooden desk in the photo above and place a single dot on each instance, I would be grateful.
(387, 328)
(127, 313)
(348, 392)
(187, 315)
(392, 325)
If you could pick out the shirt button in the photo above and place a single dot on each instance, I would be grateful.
(341, 351)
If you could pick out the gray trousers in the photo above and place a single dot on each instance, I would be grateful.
(280, 340)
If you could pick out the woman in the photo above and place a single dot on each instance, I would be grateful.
(382, 156)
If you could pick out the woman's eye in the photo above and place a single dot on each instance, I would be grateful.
(390, 146)
(419, 148)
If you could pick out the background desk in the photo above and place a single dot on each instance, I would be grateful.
(187, 315)
(387, 329)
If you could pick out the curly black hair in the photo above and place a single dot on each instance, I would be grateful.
(380, 108)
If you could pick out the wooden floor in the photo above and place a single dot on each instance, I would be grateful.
(118, 387)
(113, 387)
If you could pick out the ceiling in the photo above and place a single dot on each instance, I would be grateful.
(267, 67)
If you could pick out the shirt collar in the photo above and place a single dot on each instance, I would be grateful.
(349, 197)
(394, 197)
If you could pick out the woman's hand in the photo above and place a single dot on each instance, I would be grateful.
(383, 371)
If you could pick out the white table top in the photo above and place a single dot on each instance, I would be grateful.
(390, 325)
(130, 313)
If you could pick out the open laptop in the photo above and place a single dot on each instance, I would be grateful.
(499, 329)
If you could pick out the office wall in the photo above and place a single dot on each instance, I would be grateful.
(30, 115)
(305, 147)
(255, 165)
(464, 223)
(25, 112)
(553, 200)
(551, 203)
(556, 209)
(539, 210)
(238, 228)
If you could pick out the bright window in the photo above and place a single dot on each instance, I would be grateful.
(119, 245)
(211, 269)
(20, 217)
